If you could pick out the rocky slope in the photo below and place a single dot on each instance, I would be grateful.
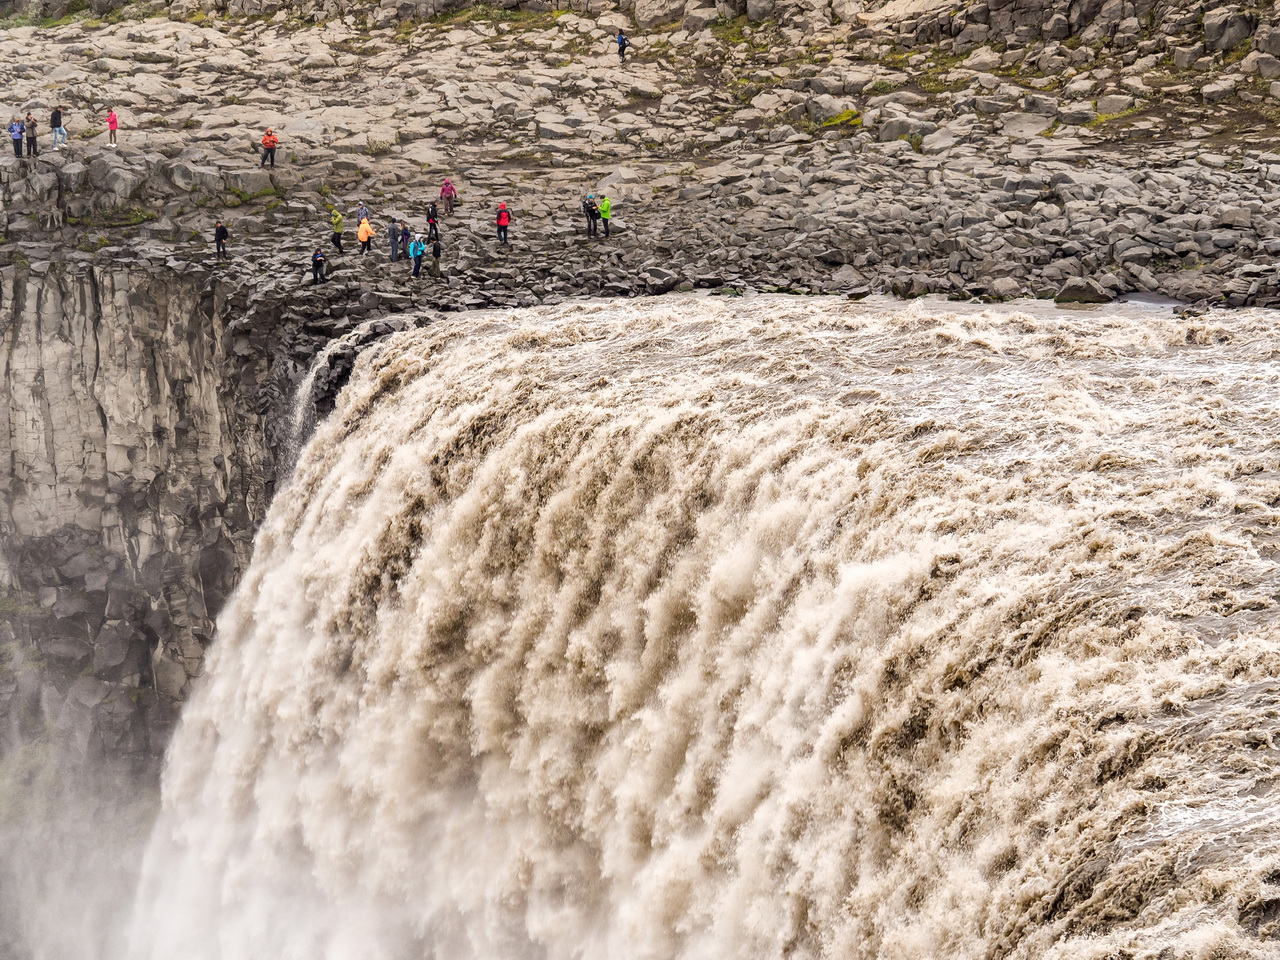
(992, 150)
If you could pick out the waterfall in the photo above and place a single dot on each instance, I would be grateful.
(751, 629)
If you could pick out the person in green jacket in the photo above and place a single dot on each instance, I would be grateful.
(606, 206)
(338, 222)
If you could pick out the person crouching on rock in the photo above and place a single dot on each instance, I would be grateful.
(503, 221)
(16, 130)
(269, 143)
(365, 235)
(220, 234)
(317, 267)
(338, 223)
(416, 250)
(33, 148)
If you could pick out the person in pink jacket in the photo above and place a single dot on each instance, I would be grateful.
(113, 124)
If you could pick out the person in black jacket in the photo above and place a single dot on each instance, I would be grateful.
(591, 211)
(317, 267)
(55, 124)
(220, 235)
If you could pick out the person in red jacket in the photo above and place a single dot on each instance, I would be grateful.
(269, 143)
(504, 221)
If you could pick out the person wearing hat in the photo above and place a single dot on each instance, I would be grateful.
(503, 221)
(591, 210)
(269, 143)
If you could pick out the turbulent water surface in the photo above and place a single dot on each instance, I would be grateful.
(752, 629)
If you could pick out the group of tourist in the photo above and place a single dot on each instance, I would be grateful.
(403, 243)
(26, 129)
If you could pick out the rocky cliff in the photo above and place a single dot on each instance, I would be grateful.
(135, 477)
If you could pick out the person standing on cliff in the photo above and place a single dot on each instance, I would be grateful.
(503, 221)
(416, 250)
(433, 228)
(55, 124)
(365, 234)
(16, 130)
(317, 267)
(448, 195)
(623, 43)
(220, 235)
(435, 259)
(338, 223)
(33, 148)
(269, 143)
(362, 212)
(393, 234)
(113, 124)
(591, 210)
(606, 211)
(405, 237)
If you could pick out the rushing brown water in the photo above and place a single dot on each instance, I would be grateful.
(753, 629)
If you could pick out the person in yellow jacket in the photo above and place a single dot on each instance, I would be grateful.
(338, 222)
(606, 210)
(365, 234)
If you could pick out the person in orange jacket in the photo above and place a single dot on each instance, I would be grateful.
(503, 221)
(365, 235)
(269, 143)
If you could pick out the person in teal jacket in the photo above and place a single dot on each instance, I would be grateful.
(606, 209)
(416, 250)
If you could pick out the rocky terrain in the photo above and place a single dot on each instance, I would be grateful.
(993, 150)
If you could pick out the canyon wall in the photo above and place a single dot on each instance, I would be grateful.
(135, 479)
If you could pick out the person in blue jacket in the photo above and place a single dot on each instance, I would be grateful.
(623, 43)
(17, 130)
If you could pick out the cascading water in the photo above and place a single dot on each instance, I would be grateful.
(755, 629)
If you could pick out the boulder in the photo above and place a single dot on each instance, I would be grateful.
(1220, 90)
(1115, 103)
(699, 18)
(1082, 290)
(651, 13)
(897, 128)
(1227, 27)
(1005, 288)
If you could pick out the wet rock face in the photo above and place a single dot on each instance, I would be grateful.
(128, 508)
